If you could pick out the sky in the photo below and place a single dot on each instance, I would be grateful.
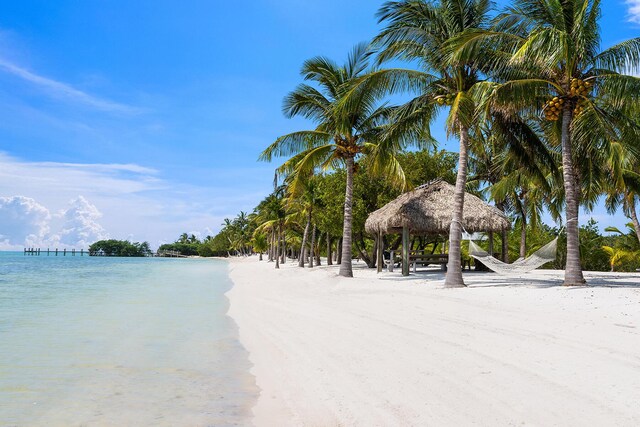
(143, 120)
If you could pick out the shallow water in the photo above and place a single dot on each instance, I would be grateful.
(119, 341)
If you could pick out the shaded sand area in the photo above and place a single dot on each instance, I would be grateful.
(383, 350)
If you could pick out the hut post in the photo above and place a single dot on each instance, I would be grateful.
(380, 249)
(405, 251)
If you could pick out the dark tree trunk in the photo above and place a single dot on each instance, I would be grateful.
(339, 252)
(329, 254)
(573, 270)
(346, 270)
(454, 267)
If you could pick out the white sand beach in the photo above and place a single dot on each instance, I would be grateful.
(382, 350)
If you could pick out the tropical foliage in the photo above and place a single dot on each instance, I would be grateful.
(546, 120)
(120, 248)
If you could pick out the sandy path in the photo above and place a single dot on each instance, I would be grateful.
(383, 350)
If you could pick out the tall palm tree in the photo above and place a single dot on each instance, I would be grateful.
(271, 214)
(549, 59)
(346, 132)
(417, 31)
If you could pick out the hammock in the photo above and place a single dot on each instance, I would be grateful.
(537, 259)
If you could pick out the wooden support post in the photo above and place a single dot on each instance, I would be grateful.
(405, 251)
(380, 251)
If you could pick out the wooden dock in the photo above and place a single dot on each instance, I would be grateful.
(170, 254)
(54, 252)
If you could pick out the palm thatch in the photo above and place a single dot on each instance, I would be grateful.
(428, 210)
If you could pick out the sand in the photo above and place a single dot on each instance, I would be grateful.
(383, 350)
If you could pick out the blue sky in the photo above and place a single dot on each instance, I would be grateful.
(144, 119)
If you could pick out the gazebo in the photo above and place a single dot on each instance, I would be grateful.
(427, 210)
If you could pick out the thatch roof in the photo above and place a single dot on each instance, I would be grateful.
(428, 210)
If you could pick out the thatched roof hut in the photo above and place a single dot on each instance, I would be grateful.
(428, 210)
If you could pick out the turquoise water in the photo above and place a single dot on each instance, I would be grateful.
(119, 341)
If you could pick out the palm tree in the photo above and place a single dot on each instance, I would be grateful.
(271, 214)
(418, 30)
(259, 242)
(349, 124)
(554, 65)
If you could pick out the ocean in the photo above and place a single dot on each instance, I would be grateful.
(119, 341)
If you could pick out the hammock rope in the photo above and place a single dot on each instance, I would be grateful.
(545, 254)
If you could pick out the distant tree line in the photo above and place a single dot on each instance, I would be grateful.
(190, 245)
(121, 248)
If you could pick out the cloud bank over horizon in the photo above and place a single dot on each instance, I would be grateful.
(49, 204)
(27, 223)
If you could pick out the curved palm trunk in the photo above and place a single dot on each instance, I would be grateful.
(454, 267)
(345, 266)
(573, 270)
(313, 242)
(301, 258)
(634, 216)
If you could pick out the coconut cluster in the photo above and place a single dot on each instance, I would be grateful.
(579, 87)
(553, 108)
(446, 99)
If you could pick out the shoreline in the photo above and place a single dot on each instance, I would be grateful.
(387, 350)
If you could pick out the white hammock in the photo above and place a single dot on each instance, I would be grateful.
(537, 259)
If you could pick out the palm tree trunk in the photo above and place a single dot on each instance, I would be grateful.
(523, 239)
(346, 269)
(277, 254)
(634, 216)
(523, 231)
(271, 243)
(318, 261)
(504, 236)
(301, 259)
(260, 256)
(454, 267)
(329, 254)
(284, 246)
(313, 242)
(339, 251)
(573, 270)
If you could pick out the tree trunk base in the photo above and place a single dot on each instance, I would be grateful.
(575, 283)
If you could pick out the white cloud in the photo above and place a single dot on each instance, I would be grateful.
(125, 201)
(81, 227)
(634, 10)
(23, 222)
(65, 91)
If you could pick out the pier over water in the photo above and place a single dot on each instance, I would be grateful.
(54, 252)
